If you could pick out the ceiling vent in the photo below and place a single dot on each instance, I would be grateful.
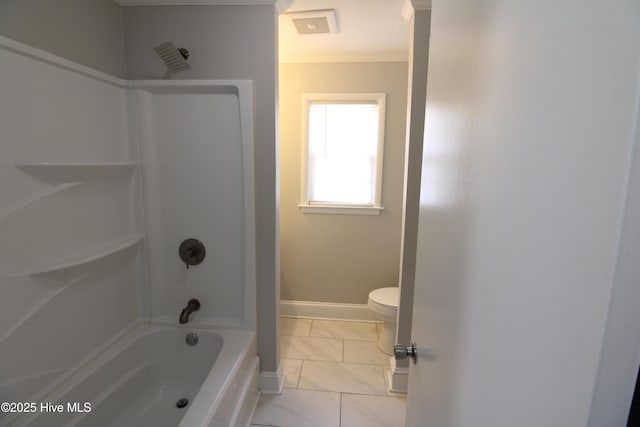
(314, 21)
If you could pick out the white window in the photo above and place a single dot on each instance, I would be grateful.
(342, 156)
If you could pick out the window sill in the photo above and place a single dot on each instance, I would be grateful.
(341, 209)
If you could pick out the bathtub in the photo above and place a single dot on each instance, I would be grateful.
(138, 379)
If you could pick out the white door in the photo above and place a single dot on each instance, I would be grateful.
(531, 110)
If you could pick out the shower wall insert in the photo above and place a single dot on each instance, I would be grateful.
(101, 179)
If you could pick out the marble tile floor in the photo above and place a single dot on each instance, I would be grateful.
(335, 376)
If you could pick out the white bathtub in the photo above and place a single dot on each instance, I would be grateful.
(139, 378)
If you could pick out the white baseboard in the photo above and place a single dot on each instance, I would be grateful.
(272, 382)
(398, 377)
(326, 310)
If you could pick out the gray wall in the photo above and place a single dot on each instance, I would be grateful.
(227, 42)
(340, 258)
(89, 32)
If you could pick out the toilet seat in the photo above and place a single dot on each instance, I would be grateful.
(389, 297)
(384, 304)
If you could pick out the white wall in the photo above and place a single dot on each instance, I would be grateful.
(69, 237)
(619, 358)
(531, 114)
(228, 42)
(194, 161)
(89, 32)
(340, 258)
(71, 219)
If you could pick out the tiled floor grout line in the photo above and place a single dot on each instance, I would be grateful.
(300, 375)
(340, 412)
(343, 363)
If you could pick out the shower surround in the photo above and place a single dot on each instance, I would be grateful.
(101, 179)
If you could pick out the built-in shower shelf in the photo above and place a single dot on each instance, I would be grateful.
(76, 171)
(89, 255)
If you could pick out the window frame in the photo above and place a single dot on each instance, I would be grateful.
(308, 206)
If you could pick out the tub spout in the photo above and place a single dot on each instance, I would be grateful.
(192, 305)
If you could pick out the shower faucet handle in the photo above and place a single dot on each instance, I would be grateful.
(192, 252)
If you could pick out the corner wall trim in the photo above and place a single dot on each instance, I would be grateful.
(326, 310)
(410, 6)
(398, 379)
(271, 382)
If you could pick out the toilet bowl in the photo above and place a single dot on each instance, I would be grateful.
(384, 304)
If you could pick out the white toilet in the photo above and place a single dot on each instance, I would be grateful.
(384, 304)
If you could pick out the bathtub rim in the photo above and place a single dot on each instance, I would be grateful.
(236, 342)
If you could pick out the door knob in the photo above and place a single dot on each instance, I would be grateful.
(401, 352)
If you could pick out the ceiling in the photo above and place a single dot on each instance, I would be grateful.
(368, 30)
